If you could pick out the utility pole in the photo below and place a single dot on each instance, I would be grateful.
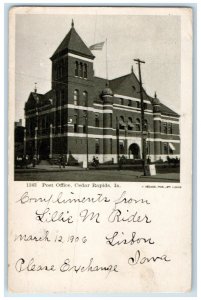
(117, 135)
(144, 156)
(87, 136)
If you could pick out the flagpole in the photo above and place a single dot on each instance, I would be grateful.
(106, 60)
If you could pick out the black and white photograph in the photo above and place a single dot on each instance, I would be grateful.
(97, 97)
(100, 151)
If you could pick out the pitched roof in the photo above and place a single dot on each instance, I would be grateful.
(127, 85)
(167, 111)
(73, 43)
(164, 109)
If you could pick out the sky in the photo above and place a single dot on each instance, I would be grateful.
(154, 39)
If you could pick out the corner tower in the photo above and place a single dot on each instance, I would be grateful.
(72, 66)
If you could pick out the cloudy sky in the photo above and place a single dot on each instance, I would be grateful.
(152, 38)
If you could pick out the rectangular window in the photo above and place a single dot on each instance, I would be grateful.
(110, 120)
(138, 104)
(75, 128)
(121, 147)
(97, 146)
(169, 128)
(76, 68)
(129, 103)
(165, 148)
(165, 127)
(110, 146)
(85, 71)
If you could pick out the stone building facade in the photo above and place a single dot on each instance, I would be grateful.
(86, 116)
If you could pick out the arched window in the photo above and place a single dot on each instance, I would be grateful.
(97, 121)
(81, 69)
(76, 97)
(130, 123)
(137, 124)
(85, 70)
(121, 123)
(76, 68)
(76, 121)
(85, 98)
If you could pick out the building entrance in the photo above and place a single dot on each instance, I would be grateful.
(44, 149)
(134, 151)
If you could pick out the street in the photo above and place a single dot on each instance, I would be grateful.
(164, 175)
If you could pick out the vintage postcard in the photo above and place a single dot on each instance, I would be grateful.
(100, 149)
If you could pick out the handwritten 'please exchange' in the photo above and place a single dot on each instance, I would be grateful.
(121, 210)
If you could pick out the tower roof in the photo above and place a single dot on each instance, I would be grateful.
(107, 91)
(74, 44)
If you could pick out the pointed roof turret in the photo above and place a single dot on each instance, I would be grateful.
(72, 23)
(74, 44)
(155, 100)
(107, 91)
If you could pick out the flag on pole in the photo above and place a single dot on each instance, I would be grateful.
(98, 46)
